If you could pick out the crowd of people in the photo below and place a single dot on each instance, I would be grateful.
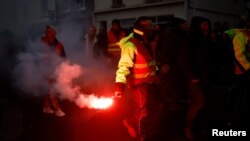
(180, 67)
(171, 70)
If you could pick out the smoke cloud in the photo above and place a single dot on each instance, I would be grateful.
(78, 78)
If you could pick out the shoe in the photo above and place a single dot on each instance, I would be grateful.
(48, 110)
(189, 133)
(59, 113)
(131, 130)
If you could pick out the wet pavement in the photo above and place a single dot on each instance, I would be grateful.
(22, 119)
(25, 121)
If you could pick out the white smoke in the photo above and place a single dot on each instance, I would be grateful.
(65, 73)
(77, 78)
(33, 69)
(29, 77)
(65, 87)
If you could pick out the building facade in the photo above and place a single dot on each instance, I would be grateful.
(32, 15)
(25, 14)
(160, 10)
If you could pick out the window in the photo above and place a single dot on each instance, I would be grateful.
(127, 23)
(66, 6)
(161, 19)
(152, 1)
(81, 4)
(44, 5)
(117, 4)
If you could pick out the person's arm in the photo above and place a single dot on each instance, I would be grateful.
(124, 65)
(126, 62)
(239, 44)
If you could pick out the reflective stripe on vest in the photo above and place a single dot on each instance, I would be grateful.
(113, 46)
(114, 49)
(144, 75)
(144, 65)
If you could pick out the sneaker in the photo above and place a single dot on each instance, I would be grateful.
(48, 110)
(59, 113)
(131, 130)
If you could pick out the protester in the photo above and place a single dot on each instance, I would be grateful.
(137, 71)
(52, 44)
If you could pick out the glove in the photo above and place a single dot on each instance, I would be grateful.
(119, 89)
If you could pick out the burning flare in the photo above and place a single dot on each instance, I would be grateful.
(101, 103)
(92, 101)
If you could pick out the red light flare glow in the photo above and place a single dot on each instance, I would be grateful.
(101, 103)
(94, 102)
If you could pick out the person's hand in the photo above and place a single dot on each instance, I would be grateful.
(118, 94)
(119, 89)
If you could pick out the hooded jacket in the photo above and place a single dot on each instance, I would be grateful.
(240, 39)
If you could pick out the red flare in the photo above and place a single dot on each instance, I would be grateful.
(101, 103)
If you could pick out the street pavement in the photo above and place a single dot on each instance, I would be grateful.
(22, 119)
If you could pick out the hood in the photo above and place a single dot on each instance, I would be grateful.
(232, 32)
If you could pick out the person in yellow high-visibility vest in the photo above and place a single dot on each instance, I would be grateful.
(137, 70)
(240, 40)
(241, 47)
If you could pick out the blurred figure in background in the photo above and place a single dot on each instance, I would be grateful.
(180, 84)
(115, 34)
(90, 39)
(52, 44)
(201, 57)
(101, 44)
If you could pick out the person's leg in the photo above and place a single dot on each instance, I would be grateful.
(58, 110)
(141, 114)
(131, 129)
(154, 107)
(133, 122)
(46, 105)
(196, 104)
(239, 100)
